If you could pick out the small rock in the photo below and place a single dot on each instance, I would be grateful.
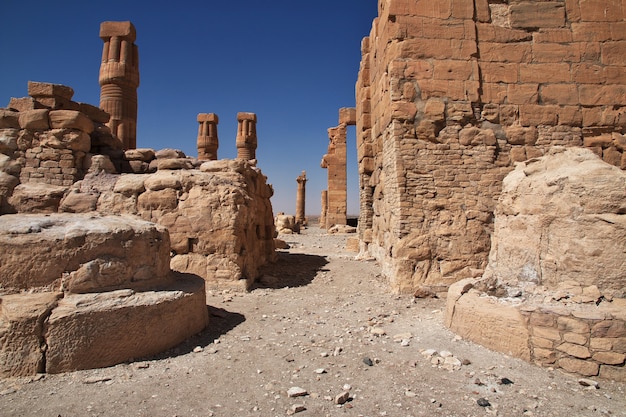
(368, 362)
(377, 331)
(197, 349)
(505, 381)
(95, 379)
(342, 398)
(295, 408)
(320, 371)
(296, 392)
(478, 382)
(429, 352)
(585, 382)
(483, 402)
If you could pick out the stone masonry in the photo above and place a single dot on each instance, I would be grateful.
(119, 79)
(450, 95)
(335, 161)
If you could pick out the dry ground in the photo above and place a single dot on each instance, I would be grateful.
(323, 322)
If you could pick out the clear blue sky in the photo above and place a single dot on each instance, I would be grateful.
(292, 63)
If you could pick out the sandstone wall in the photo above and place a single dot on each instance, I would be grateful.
(57, 155)
(451, 94)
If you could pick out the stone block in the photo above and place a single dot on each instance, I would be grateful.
(496, 72)
(535, 115)
(609, 329)
(34, 119)
(561, 94)
(578, 366)
(208, 117)
(122, 29)
(608, 95)
(529, 15)
(591, 32)
(523, 93)
(454, 70)
(347, 116)
(545, 356)
(556, 52)
(98, 330)
(544, 73)
(21, 322)
(519, 52)
(94, 113)
(24, 104)
(569, 324)
(614, 53)
(609, 358)
(9, 119)
(70, 119)
(38, 89)
(601, 10)
(613, 373)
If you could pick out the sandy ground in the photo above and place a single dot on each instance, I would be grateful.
(320, 336)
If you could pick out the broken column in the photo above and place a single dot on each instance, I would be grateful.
(208, 142)
(246, 136)
(336, 163)
(300, 199)
(119, 79)
(324, 208)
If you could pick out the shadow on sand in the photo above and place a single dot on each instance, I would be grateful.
(290, 270)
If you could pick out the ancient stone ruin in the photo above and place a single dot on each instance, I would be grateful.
(335, 198)
(554, 291)
(82, 291)
(451, 95)
(119, 80)
(75, 279)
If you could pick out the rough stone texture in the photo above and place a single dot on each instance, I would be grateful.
(450, 97)
(561, 218)
(554, 289)
(81, 252)
(119, 79)
(286, 224)
(80, 291)
(93, 331)
(219, 215)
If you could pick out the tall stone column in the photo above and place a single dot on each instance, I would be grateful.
(246, 136)
(208, 142)
(324, 209)
(300, 199)
(119, 79)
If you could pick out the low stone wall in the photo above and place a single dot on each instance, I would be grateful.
(585, 339)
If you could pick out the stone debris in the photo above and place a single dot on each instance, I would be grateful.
(296, 408)
(585, 382)
(297, 392)
(342, 398)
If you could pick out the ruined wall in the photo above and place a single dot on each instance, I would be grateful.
(451, 94)
(57, 155)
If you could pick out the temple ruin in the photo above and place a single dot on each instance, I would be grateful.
(143, 231)
(119, 79)
(451, 96)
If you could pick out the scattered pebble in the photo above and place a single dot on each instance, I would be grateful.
(296, 392)
(342, 398)
(586, 382)
(368, 362)
(483, 402)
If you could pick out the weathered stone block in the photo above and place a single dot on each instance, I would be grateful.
(609, 358)
(70, 119)
(528, 15)
(34, 119)
(578, 366)
(39, 89)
